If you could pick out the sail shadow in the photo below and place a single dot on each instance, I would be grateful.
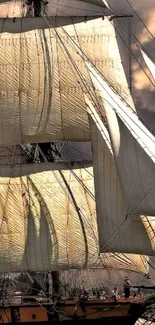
(41, 247)
(77, 209)
(8, 25)
(134, 228)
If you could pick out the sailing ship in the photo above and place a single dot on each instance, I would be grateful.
(61, 80)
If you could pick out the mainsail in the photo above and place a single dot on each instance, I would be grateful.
(149, 63)
(45, 227)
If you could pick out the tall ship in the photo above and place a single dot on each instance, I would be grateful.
(63, 89)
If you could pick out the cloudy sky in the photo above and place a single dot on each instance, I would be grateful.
(143, 91)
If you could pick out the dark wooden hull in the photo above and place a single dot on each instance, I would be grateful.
(86, 311)
(113, 321)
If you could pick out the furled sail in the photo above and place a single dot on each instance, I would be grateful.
(50, 14)
(21, 25)
(33, 168)
(17, 161)
(13, 163)
(41, 81)
(48, 222)
(116, 232)
(101, 3)
(149, 63)
(134, 151)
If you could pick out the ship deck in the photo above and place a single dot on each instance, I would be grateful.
(38, 311)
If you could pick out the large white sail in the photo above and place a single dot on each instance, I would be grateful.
(116, 232)
(134, 151)
(41, 81)
(149, 63)
(48, 222)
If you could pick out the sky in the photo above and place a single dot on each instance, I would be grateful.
(143, 91)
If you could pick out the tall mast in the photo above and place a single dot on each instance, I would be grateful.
(37, 6)
(55, 284)
(130, 55)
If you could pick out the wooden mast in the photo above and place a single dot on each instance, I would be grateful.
(36, 5)
(55, 284)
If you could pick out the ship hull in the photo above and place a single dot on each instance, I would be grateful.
(103, 321)
(106, 311)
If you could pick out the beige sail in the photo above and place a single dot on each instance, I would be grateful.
(134, 151)
(149, 224)
(149, 63)
(48, 222)
(116, 232)
(41, 91)
(41, 229)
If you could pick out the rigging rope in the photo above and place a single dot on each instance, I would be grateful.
(83, 82)
(140, 19)
(73, 64)
(125, 45)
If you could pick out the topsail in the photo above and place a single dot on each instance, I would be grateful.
(42, 76)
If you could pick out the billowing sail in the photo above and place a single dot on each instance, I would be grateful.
(116, 232)
(41, 81)
(149, 63)
(134, 151)
(42, 229)
(48, 222)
